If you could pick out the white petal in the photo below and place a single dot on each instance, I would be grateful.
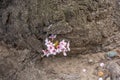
(64, 53)
(47, 55)
(68, 46)
(100, 79)
(84, 70)
(54, 53)
(102, 64)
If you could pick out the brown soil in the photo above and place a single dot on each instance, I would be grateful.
(20, 67)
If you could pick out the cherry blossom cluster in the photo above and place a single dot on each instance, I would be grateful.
(56, 48)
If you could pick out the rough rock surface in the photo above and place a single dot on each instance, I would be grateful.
(114, 70)
(90, 25)
(86, 23)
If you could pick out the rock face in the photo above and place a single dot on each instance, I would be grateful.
(114, 70)
(88, 24)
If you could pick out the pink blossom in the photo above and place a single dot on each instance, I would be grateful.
(62, 47)
(45, 52)
(47, 42)
(63, 43)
